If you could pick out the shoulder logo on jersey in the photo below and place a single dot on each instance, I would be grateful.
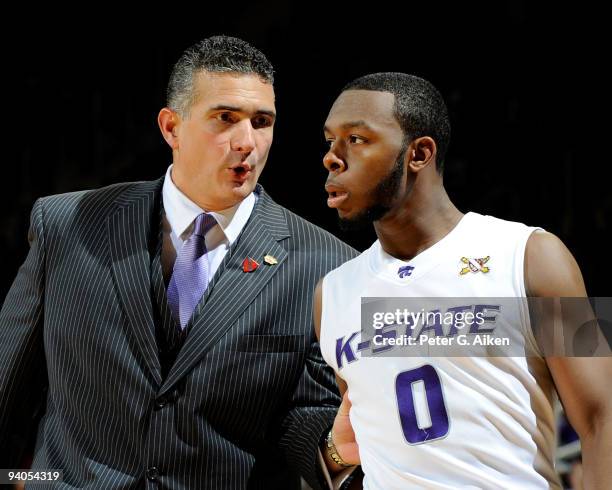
(474, 265)
(405, 271)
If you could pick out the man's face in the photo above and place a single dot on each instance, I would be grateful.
(365, 157)
(223, 143)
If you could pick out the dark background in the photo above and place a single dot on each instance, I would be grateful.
(83, 89)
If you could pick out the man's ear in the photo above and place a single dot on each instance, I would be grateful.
(169, 122)
(421, 153)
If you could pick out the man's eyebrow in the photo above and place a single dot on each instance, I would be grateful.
(350, 125)
(230, 108)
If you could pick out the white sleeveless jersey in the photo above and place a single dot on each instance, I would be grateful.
(444, 422)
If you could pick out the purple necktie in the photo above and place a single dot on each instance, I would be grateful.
(191, 271)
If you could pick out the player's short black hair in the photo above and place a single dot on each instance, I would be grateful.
(419, 108)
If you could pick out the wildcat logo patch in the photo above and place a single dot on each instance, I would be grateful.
(405, 271)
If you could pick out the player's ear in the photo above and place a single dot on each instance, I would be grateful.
(421, 153)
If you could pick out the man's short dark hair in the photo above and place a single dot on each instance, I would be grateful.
(419, 108)
(217, 54)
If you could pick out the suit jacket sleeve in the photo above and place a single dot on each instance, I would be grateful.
(314, 406)
(316, 398)
(23, 378)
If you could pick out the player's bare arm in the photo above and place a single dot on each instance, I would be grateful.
(583, 383)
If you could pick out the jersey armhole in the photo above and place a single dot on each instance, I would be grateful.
(531, 344)
(323, 331)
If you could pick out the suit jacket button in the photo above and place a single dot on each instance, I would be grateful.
(152, 473)
(161, 402)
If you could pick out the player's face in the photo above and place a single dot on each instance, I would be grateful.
(365, 156)
(223, 144)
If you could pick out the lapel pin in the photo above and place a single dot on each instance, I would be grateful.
(270, 260)
(249, 265)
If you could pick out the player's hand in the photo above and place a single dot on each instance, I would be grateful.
(343, 435)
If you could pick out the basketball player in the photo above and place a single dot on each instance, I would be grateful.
(491, 422)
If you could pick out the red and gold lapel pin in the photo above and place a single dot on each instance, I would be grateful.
(249, 264)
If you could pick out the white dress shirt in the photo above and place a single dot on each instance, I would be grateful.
(180, 213)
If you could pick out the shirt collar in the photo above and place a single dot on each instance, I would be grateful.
(182, 211)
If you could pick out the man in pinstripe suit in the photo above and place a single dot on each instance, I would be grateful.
(136, 387)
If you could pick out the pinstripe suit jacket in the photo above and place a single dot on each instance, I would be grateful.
(248, 397)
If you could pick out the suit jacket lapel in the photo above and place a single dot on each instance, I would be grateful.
(232, 290)
(129, 232)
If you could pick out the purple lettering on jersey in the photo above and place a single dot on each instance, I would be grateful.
(363, 345)
(435, 402)
(409, 325)
(480, 310)
(345, 349)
